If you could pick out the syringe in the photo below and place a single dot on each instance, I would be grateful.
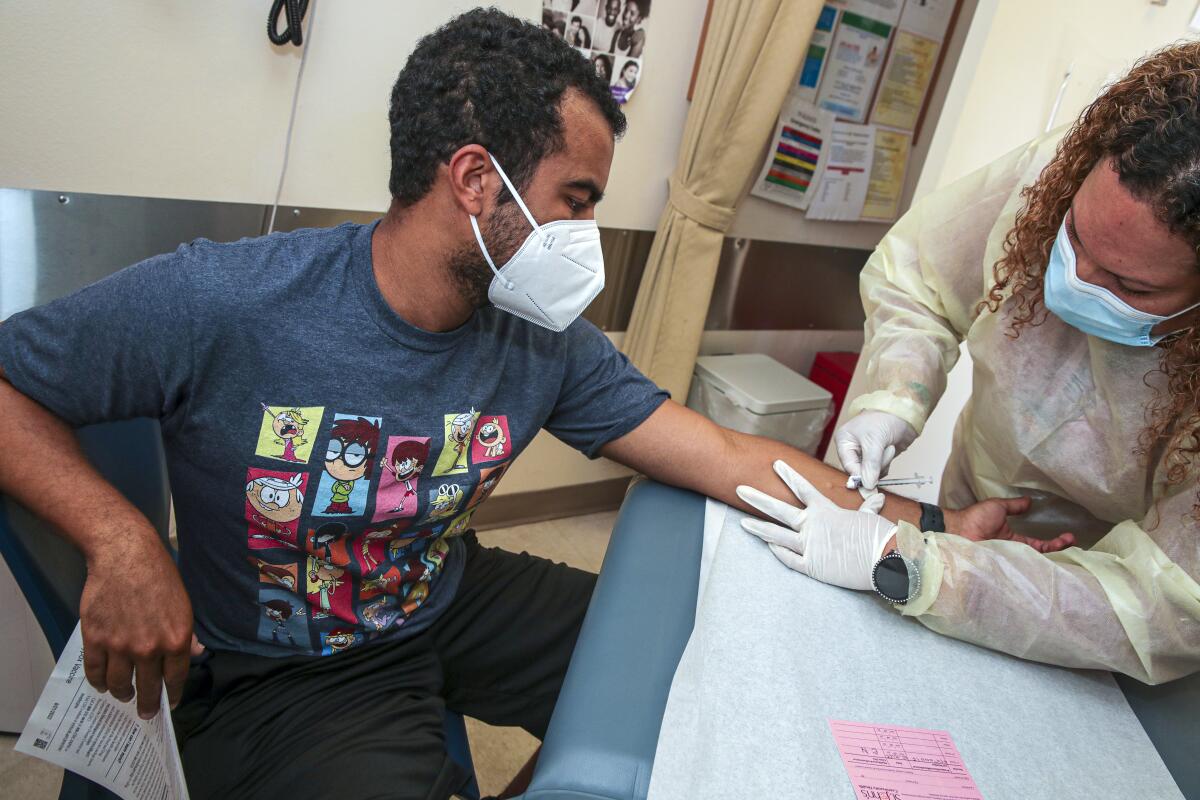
(855, 481)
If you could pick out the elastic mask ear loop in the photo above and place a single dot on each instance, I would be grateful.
(513, 191)
(488, 256)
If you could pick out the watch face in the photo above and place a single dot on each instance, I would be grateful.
(891, 578)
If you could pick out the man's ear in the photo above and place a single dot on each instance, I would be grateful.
(472, 178)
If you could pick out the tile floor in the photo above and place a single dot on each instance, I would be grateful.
(498, 752)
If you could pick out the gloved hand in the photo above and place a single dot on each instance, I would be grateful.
(823, 541)
(867, 443)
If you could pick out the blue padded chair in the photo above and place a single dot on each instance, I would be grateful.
(51, 572)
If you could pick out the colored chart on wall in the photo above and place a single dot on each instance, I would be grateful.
(793, 164)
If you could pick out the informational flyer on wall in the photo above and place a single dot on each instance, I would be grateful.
(102, 739)
(794, 162)
(928, 18)
(813, 67)
(912, 62)
(845, 179)
(611, 34)
(888, 167)
(856, 56)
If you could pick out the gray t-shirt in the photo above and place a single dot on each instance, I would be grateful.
(323, 453)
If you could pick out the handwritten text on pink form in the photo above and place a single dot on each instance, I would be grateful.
(888, 762)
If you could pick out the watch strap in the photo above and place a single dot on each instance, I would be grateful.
(933, 519)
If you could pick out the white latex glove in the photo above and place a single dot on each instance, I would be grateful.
(823, 541)
(867, 443)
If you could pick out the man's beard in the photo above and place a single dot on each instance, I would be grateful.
(503, 232)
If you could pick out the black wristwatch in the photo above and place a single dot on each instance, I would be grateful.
(896, 579)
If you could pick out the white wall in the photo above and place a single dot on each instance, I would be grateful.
(190, 100)
(1020, 50)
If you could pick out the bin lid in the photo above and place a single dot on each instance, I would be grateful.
(761, 384)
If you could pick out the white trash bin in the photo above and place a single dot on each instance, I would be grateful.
(754, 393)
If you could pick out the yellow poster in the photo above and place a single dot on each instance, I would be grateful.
(887, 175)
(905, 81)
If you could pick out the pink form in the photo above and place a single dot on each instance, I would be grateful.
(888, 762)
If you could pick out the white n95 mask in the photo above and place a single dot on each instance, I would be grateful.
(1094, 309)
(554, 275)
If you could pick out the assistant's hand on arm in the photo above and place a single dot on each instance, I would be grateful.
(867, 443)
(839, 546)
(134, 611)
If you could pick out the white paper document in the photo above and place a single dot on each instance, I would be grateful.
(845, 174)
(102, 739)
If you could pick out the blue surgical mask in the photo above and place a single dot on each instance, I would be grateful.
(1094, 309)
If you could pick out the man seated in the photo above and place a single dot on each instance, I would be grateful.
(335, 404)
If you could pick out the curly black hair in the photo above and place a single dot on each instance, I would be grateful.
(491, 79)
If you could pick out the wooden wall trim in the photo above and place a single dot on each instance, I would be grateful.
(523, 508)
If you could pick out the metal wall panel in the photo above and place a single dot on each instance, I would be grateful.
(784, 286)
(52, 244)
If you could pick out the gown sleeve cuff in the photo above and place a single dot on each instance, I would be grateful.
(883, 400)
(922, 549)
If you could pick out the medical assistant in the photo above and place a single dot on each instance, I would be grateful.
(1054, 414)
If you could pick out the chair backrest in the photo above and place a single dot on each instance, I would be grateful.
(49, 570)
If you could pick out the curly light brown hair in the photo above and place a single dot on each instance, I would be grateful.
(1147, 125)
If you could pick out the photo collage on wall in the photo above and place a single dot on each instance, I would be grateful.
(611, 34)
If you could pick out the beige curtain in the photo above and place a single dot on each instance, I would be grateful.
(751, 54)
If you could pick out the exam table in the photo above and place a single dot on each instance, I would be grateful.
(602, 738)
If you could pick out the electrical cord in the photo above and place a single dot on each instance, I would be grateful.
(294, 13)
(287, 142)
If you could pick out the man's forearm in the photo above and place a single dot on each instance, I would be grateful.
(680, 447)
(755, 455)
(43, 469)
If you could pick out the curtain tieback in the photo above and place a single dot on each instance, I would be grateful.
(705, 213)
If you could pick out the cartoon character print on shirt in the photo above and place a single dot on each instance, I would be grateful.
(381, 613)
(435, 556)
(329, 543)
(444, 501)
(282, 618)
(349, 459)
(387, 582)
(274, 501)
(460, 524)
(337, 640)
(489, 478)
(415, 597)
(370, 548)
(459, 428)
(328, 594)
(272, 574)
(397, 585)
(285, 432)
(490, 442)
(402, 462)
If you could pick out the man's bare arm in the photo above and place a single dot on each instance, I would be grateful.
(676, 445)
(129, 569)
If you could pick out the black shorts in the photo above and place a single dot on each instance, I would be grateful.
(367, 723)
